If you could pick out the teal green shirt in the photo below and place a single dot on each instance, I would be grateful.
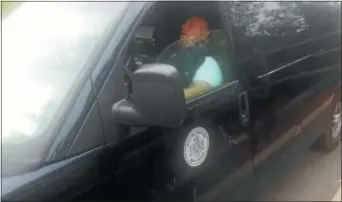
(195, 64)
(209, 72)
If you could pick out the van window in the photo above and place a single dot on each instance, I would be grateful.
(323, 17)
(160, 41)
(260, 27)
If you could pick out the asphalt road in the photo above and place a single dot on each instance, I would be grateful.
(316, 176)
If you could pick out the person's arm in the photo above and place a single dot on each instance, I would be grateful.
(208, 75)
(195, 89)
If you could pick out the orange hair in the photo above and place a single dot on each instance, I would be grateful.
(195, 26)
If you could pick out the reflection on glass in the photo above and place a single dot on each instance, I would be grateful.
(267, 18)
(45, 45)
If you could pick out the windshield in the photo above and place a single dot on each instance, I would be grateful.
(45, 45)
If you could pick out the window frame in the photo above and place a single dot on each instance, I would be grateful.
(53, 145)
(61, 147)
(62, 143)
(225, 84)
(120, 55)
(112, 61)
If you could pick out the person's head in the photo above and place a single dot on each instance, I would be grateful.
(194, 30)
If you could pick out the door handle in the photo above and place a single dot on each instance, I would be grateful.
(243, 108)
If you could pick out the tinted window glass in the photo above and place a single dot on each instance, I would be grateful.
(323, 17)
(204, 62)
(218, 58)
(260, 27)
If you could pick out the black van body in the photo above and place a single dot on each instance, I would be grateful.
(285, 90)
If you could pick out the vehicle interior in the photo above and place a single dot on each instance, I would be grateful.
(160, 31)
(162, 27)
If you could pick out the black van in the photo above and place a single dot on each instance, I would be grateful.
(90, 112)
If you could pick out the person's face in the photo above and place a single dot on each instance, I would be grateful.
(189, 41)
(194, 31)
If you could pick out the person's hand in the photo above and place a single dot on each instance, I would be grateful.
(196, 89)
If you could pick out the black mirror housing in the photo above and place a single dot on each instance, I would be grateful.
(157, 98)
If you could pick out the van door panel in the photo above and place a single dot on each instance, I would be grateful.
(298, 89)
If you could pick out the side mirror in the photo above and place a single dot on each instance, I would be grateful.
(157, 98)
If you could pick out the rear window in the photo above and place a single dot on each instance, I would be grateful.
(262, 27)
(323, 17)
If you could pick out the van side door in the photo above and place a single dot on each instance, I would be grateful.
(322, 68)
(259, 30)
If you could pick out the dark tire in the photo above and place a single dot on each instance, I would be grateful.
(194, 168)
(332, 137)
